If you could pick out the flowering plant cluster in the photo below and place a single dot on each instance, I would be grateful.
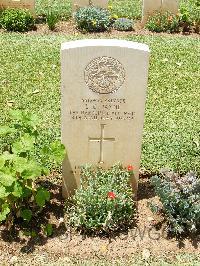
(92, 19)
(180, 197)
(17, 20)
(104, 202)
(123, 24)
(163, 22)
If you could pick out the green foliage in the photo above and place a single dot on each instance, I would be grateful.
(180, 197)
(48, 230)
(190, 16)
(123, 24)
(104, 201)
(20, 196)
(171, 135)
(92, 19)
(52, 18)
(61, 7)
(19, 20)
(126, 8)
(163, 22)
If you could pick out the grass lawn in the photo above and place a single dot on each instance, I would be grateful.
(122, 8)
(30, 77)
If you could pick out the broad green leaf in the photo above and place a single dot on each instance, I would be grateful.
(2, 161)
(26, 214)
(32, 170)
(8, 156)
(55, 151)
(5, 130)
(30, 233)
(42, 196)
(26, 143)
(45, 171)
(48, 230)
(17, 190)
(6, 179)
(16, 114)
(19, 164)
(5, 210)
(32, 120)
(26, 192)
(3, 192)
(27, 118)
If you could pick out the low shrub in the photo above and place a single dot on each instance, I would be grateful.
(180, 198)
(190, 16)
(185, 19)
(104, 201)
(163, 22)
(19, 20)
(51, 19)
(20, 195)
(92, 19)
(123, 24)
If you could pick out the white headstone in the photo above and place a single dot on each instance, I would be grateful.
(151, 6)
(170, 5)
(24, 4)
(103, 101)
(81, 3)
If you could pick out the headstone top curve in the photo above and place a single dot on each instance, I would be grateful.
(104, 43)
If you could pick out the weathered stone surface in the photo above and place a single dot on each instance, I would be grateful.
(103, 101)
(26, 4)
(150, 6)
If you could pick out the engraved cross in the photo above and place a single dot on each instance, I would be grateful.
(101, 140)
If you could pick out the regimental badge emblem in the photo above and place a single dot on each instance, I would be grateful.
(104, 75)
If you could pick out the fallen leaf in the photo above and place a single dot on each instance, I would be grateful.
(150, 219)
(178, 63)
(104, 248)
(10, 103)
(165, 60)
(146, 254)
(35, 92)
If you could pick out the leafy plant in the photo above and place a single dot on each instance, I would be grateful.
(163, 22)
(19, 20)
(52, 18)
(180, 198)
(190, 16)
(48, 230)
(104, 201)
(92, 19)
(185, 19)
(20, 195)
(123, 24)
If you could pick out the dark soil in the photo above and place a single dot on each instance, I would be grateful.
(69, 28)
(148, 238)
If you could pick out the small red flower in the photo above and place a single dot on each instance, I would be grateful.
(130, 168)
(111, 195)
